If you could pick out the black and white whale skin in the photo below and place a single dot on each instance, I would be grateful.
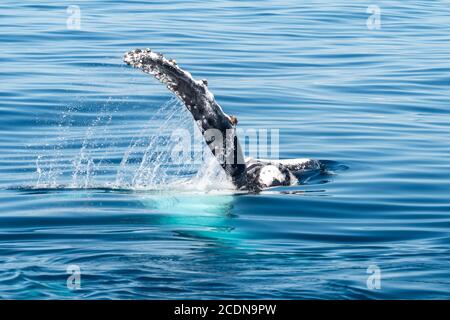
(246, 174)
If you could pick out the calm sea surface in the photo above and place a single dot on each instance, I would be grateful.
(84, 186)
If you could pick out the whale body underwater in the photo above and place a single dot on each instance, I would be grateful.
(219, 129)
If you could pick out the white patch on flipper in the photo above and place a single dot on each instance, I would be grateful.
(269, 174)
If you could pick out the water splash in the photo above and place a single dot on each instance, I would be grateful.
(102, 159)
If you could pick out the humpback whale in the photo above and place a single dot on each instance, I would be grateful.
(218, 128)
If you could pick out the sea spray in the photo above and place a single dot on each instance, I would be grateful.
(100, 157)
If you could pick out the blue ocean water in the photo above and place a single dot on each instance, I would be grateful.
(366, 91)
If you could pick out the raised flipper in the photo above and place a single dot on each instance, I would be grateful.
(209, 116)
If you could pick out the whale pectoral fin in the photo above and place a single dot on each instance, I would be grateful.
(167, 72)
(201, 104)
(194, 94)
